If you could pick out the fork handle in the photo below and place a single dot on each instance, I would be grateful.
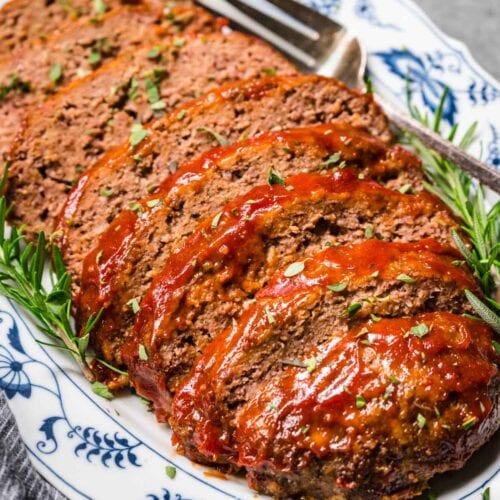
(487, 175)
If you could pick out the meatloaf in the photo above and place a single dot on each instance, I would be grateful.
(227, 115)
(23, 22)
(374, 411)
(90, 116)
(30, 75)
(119, 270)
(232, 253)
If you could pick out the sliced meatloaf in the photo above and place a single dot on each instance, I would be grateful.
(310, 409)
(30, 75)
(90, 116)
(119, 270)
(233, 113)
(23, 22)
(232, 254)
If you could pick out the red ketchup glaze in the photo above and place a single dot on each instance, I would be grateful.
(354, 264)
(235, 234)
(103, 267)
(316, 414)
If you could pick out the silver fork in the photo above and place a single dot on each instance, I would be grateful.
(317, 44)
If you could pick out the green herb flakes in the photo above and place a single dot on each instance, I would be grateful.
(216, 220)
(170, 471)
(133, 304)
(102, 390)
(496, 346)
(106, 192)
(99, 6)
(311, 364)
(305, 429)
(389, 391)
(274, 178)
(360, 402)
(420, 330)
(375, 318)
(421, 421)
(270, 71)
(181, 115)
(270, 318)
(353, 309)
(137, 208)
(152, 91)
(294, 269)
(153, 188)
(218, 137)
(272, 406)
(154, 53)
(137, 134)
(55, 73)
(338, 287)
(369, 231)
(486, 494)
(405, 278)
(331, 160)
(94, 58)
(346, 389)
(179, 42)
(405, 189)
(153, 203)
(469, 423)
(143, 354)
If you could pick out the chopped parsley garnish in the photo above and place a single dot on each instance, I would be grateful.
(99, 6)
(353, 309)
(394, 380)
(153, 203)
(179, 42)
(158, 106)
(272, 406)
(305, 429)
(469, 423)
(133, 89)
(405, 278)
(216, 220)
(369, 231)
(405, 189)
(419, 330)
(458, 263)
(311, 364)
(218, 137)
(375, 318)
(133, 304)
(170, 471)
(153, 188)
(275, 178)
(137, 134)
(270, 317)
(421, 421)
(55, 73)
(152, 90)
(269, 71)
(15, 84)
(331, 160)
(496, 346)
(154, 53)
(137, 208)
(181, 115)
(360, 402)
(106, 192)
(389, 390)
(338, 287)
(346, 389)
(94, 58)
(102, 390)
(143, 354)
(486, 494)
(294, 269)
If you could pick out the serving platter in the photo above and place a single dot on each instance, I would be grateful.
(89, 447)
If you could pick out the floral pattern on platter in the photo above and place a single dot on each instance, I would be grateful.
(117, 449)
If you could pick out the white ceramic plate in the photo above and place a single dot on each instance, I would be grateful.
(92, 448)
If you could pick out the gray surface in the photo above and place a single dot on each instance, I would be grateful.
(474, 22)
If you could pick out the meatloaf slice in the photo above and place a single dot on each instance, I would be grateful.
(233, 253)
(374, 412)
(90, 116)
(80, 48)
(119, 270)
(23, 22)
(236, 111)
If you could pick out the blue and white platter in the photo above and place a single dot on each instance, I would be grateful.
(89, 447)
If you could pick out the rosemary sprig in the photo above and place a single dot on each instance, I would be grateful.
(22, 268)
(465, 197)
